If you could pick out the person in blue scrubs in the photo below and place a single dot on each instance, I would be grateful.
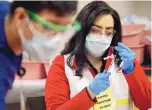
(22, 27)
(4, 7)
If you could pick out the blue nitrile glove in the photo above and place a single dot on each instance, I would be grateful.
(127, 56)
(100, 83)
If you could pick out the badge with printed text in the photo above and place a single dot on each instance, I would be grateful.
(105, 101)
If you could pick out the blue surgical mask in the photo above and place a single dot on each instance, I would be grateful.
(97, 45)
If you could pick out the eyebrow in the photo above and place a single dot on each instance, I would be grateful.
(101, 27)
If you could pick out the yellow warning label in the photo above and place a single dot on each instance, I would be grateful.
(105, 101)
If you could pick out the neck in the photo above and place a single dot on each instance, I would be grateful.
(12, 37)
(95, 61)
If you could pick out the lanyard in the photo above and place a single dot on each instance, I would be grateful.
(21, 73)
(106, 100)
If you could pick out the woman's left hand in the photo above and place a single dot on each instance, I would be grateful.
(127, 56)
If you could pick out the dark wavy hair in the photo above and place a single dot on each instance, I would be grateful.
(76, 45)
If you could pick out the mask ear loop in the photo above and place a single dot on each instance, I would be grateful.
(30, 25)
(22, 37)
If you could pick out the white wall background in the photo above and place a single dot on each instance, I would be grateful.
(125, 8)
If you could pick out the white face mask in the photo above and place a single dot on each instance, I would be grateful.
(42, 47)
(97, 45)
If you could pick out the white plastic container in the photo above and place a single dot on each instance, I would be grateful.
(34, 70)
(133, 34)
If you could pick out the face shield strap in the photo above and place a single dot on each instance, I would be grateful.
(76, 25)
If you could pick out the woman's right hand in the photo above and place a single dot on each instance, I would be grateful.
(99, 84)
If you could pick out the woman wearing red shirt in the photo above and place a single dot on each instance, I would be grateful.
(80, 78)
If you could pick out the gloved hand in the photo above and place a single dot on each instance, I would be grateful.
(127, 56)
(100, 83)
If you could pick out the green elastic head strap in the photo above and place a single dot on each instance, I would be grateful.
(76, 24)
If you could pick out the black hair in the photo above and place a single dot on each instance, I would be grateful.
(60, 7)
(76, 45)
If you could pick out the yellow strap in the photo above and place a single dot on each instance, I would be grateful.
(122, 102)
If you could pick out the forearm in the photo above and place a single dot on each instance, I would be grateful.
(139, 87)
(81, 101)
